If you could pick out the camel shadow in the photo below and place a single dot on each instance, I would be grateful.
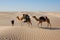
(50, 28)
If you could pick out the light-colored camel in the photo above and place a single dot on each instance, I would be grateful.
(27, 21)
(20, 20)
(42, 19)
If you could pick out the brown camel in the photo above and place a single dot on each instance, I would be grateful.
(27, 19)
(42, 19)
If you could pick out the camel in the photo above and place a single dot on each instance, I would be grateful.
(26, 17)
(20, 19)
(42, 19)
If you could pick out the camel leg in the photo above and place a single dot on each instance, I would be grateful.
(38, 24)
(50, 25)
(28, 23)
(47, 24)
(21, 23)
(41, 24)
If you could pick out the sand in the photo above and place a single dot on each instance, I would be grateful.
(25, 32)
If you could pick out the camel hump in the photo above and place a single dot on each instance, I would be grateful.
(43, 18)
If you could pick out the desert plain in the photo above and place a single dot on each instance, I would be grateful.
(26, 32)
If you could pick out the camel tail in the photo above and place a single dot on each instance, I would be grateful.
(48, 20)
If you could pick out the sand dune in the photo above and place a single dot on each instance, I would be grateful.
(25, 32)
(28, 33)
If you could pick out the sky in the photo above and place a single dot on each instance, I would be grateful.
(30, 5)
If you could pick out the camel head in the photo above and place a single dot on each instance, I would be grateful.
(18, 17)
(35, 18)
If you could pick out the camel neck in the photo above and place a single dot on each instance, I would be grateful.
(18, 18)
(36, 19)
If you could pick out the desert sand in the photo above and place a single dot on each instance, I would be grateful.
(26, 32)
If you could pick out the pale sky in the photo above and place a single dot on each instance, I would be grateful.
(30, 5)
